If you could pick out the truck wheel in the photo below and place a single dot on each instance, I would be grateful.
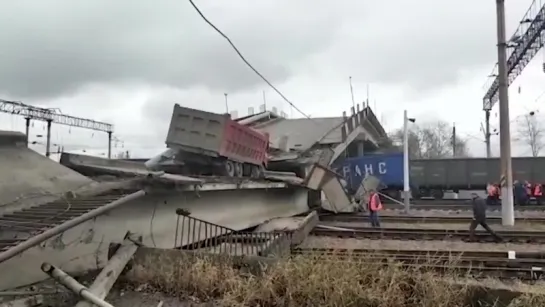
(239, 170)
(229, 168)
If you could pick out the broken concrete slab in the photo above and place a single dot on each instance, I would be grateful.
(322, 178)
(35, 300)
(28, 178)
(299, 227)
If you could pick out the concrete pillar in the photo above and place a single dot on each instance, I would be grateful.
(27, 130)
(48, 143)
(361, 146)
(109, 144)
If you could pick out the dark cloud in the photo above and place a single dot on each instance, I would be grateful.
(421, 44)
(53, 47)
(148, 55)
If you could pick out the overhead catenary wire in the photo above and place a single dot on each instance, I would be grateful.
(246, 61)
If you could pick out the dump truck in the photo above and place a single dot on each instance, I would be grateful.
(206, 143)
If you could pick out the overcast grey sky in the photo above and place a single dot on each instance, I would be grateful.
(128, 62)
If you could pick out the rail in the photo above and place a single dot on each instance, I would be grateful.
(428, 234)
(489, 264)
(362, 218)
(421, 253)
(198, 235)
(457, 206)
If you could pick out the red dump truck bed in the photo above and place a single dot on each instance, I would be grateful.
(216, 135)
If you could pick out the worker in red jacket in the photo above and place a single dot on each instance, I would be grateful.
(497, 193)
(374, 206)
(528, 188)
(492, 196)
(538, 193)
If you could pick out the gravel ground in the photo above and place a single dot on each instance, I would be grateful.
(510, 285)
(351, 243)
(365, 223)
(119, 296)
(133, 298)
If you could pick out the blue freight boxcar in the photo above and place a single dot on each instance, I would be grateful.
(386, 167)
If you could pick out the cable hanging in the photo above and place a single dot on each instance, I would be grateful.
(246, 62)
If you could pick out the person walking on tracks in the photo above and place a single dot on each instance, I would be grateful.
(479, 218)
(374, 206)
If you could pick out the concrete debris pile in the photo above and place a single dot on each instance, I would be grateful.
(274, 239)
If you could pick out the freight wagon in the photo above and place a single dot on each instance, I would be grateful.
(432, 177)
(206, 143)
(438, 175)
(387, 168)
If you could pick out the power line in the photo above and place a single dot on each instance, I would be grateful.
(245, 61)
(43, 114)
(53, 115)
(523, 46)
(471, 136)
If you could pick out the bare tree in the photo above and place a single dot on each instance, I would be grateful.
(530, 132)
(123, 155)
(432, 140)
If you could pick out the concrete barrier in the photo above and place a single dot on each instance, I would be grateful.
(306, 226)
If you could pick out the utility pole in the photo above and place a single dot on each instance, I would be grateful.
(454, 140)
(226, 104)
(367, 95)
(406, 177)
(506, 180)
(352, 92)
(487, 134)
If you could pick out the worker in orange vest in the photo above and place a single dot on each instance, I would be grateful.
(374, 206)
(538, 193)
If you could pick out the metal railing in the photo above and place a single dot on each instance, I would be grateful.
(199, 235)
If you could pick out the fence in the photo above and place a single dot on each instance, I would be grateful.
(196, 234)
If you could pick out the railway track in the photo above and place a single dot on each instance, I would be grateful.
(535, 237)
(528, 266)
(431, 200)
(456, 205)
(363, 218)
